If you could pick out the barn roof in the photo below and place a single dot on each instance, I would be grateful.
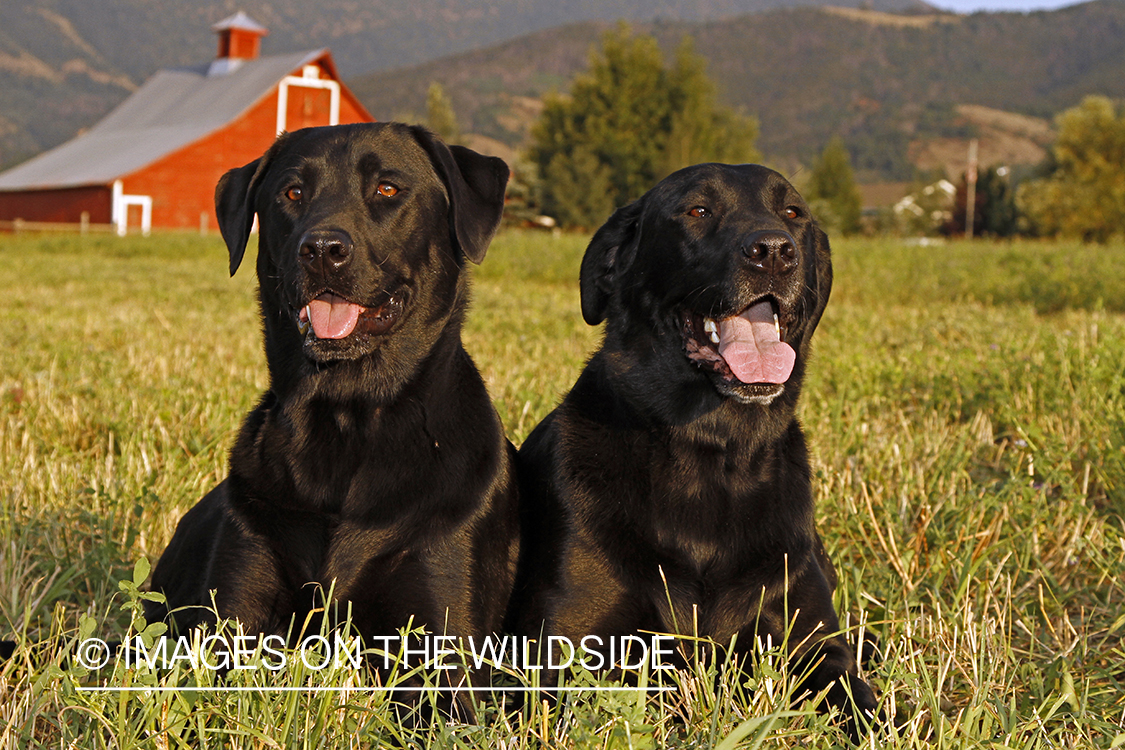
(172, 109)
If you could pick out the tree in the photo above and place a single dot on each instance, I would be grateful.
(627, 122)
(440, 117)
(1084, 195)
(831, 190)
(994, 207)
(581, 189)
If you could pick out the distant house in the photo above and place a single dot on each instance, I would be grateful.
(155, 159)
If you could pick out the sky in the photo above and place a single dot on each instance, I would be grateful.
(968, 6)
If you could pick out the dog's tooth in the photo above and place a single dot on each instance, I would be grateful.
(709, 325)
(776, 324)
(714, 337)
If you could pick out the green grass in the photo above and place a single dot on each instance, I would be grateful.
(966, 410)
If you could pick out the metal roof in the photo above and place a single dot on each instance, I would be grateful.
(240, 21)
(171, 110)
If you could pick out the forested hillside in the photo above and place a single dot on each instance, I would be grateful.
(895, 87)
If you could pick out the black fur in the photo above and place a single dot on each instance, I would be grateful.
(375, 461)
(662, 478)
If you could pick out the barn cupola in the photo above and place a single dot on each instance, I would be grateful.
(240, 39)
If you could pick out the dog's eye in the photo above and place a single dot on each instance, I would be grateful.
(700, 212)
(387, 190)
(792, 212)
(294, 193)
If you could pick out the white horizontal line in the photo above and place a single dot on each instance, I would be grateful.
(282, 689)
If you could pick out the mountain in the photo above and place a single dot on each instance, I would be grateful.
(65, 63)
(905, 91)
(905, 85)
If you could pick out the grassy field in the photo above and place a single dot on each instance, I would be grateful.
(966, 412)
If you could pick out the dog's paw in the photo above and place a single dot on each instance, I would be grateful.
(867, 647)
(857, 705)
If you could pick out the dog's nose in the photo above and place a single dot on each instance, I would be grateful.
(328, 248)
(771, 251)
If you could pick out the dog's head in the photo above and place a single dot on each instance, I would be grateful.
(364, 230)
(712, 284)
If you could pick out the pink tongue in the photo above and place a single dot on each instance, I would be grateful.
(333, 317)
(752, 349)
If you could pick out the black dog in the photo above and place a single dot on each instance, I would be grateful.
(375, 461)
(671, 488)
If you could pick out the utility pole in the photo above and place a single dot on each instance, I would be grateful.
(971, 190)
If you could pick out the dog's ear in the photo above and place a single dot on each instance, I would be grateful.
(818, 282)
(609, 253)
(823, 265)
(234, 206)
(235, 196)
(475, 184)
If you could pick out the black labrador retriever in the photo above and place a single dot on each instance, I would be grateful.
(375, 464)
(671, 488)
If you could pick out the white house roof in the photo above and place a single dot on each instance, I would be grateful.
(171, 110)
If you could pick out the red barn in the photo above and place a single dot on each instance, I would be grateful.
(155, 159)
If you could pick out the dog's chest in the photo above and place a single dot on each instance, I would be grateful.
(708, 482)
(347, 461)
(704, 501)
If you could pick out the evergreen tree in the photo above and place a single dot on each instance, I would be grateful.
(627, 122)
(994, 209)
(831, 190)
(581, 189)
(440, 117)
